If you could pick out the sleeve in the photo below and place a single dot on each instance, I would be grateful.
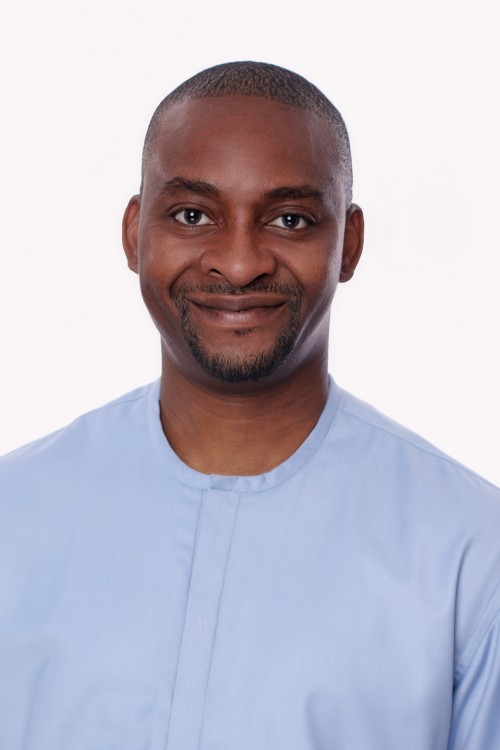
(475, 723)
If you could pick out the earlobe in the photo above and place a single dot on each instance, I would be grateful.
(130, 231)
(353, 242)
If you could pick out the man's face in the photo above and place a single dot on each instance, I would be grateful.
(238, 237)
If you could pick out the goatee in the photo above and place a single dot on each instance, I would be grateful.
(239, 369)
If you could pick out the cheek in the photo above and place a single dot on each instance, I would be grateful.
(319, 276)
(321, 296)
(157, 273)
(161, 262)
(319, 284)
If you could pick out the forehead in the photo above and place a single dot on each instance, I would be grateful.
(242, 139)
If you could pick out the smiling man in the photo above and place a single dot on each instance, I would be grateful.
(242, 556)
(242, 230)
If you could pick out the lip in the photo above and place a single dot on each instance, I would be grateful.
(238, 311)
(238, 303)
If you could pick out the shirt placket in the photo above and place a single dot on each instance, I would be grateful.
(213, 540)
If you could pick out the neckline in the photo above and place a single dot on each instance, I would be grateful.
(172, 465)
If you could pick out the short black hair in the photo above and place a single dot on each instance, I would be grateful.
(248, 78)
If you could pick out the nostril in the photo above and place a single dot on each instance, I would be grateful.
(239, 267)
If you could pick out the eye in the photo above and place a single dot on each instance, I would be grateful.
(290, 221)
(192, 217)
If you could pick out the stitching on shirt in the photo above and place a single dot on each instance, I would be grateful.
(69, 425)
(215, 642)
(118, 402)
(477, 637)
(293, 473)
(241, 491)
(193, 555)
(493, 606)
(435, 453)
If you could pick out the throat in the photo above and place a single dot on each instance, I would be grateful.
(243, 435)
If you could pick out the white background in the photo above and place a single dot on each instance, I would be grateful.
(416, 332)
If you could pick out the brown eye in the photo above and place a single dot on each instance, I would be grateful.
(290, 221)
(192, 217)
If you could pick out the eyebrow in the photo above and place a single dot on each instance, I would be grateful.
(192, 186)
(290, 192)
(294, 192)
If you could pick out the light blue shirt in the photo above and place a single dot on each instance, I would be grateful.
(347, 600)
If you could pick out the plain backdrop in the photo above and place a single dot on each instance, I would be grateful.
(416, 332)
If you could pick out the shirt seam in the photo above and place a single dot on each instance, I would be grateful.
(240, 491)
(464, 661)
(118, 402)
(217, 625)
(186, 605)
(428, 450)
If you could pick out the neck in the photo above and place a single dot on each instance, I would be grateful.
(222, 429)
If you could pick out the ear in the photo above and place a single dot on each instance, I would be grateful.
(130, 232)
(353, 241)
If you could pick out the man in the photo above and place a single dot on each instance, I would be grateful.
(243, 556)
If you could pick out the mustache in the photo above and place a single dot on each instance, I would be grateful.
(271, 287)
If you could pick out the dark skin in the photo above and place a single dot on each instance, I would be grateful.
(243, 231)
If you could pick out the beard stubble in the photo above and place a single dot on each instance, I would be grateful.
(240, 369)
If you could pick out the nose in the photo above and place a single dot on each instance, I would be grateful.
(239, 254)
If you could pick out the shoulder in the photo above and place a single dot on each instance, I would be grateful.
(381, 438)
(400, 468)
(94, 431)
(444, 516)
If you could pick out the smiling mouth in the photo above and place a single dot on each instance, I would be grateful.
(238, 310)
(238, 303)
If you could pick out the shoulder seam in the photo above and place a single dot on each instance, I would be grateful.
(117, 402)
(436, 453)
(125, 399)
